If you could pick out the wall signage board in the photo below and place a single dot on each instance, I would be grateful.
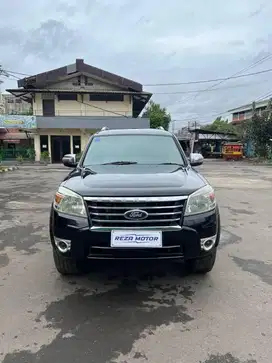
(18, 122)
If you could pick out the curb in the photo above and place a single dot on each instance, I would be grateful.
(10, 168)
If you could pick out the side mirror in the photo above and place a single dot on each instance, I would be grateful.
(196, 159)
(69, 160)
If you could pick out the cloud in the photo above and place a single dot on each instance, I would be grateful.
(51, 40)
(213, 41)
(148, 42)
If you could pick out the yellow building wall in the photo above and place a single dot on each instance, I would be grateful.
(85, 108)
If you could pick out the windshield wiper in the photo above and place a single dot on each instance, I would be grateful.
(121, 162)
(172, 164)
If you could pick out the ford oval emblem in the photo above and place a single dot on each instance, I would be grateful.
(136, 214)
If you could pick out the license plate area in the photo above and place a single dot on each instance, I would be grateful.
(136, 239)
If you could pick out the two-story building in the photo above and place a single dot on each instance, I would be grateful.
(15, 106)
(74, 101)
(244, 112)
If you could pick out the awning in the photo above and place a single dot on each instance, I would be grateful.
(91, 122)
(12, 141)
(13, 136)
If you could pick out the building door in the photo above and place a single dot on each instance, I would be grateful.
(48, 107)
(76, 145)
(60, 145)
(44, 143)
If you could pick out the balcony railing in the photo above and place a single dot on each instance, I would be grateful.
(39, 112)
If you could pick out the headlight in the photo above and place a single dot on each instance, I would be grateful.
(203, 200)
(69, 202)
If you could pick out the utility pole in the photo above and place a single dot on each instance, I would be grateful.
(2, 106)
(2, 103)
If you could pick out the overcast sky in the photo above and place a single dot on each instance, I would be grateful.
(149, 41)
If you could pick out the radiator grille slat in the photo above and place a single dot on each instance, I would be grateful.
(161, 212)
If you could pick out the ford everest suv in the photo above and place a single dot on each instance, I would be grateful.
(134, 195)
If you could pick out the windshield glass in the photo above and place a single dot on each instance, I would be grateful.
(140, 149)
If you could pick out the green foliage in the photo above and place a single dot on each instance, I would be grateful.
(30, 153)
(221, 125)
(20, 159)
(158, 116)
(27, 113)
(259, 130)
(45, 156)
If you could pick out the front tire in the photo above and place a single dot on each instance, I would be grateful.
(203, 265)
(66, 265)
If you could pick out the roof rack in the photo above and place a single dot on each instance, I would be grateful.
(104, 128)
(160, 128)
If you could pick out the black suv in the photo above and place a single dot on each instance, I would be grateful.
(134, 195)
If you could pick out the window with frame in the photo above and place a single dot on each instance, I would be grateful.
(109, 97)
(67, 97)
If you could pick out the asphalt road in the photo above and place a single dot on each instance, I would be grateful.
(137, 313)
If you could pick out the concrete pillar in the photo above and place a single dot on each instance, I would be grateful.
(37, 147)
(49, 147)
(71, 144)
(83, 140)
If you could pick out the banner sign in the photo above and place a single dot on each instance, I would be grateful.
(18, 122)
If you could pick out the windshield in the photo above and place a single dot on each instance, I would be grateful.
(140, 149)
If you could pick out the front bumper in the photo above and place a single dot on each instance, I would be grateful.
(184, 243)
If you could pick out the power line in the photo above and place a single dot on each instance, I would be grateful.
(208, 80)
(103, 109)
(99, 108)
(218, 114)
(208, 90)
(8, 73)
(181, 83)
(183, 92)
(254, 64)
(21, 74)
(235, 75)
(263, 96)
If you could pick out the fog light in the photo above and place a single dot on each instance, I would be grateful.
(208, 243)
(63, 245)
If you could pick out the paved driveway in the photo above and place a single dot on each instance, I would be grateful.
(122, 314)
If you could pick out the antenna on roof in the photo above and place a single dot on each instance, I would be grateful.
(160, 128)
(104, 128)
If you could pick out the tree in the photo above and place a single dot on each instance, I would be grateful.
(221, 125)
(3, 72)
(259, 130)
(26, 113)
(158, 116)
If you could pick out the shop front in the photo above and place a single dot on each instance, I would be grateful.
(53, 144)
(60, 135)
(16, 137)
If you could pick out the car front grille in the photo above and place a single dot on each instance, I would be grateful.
(109, 212)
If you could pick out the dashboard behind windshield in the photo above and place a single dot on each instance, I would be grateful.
(140, 149)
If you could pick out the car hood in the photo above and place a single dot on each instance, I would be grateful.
(134, 180)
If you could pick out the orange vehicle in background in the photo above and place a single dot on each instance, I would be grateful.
(232, 151)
